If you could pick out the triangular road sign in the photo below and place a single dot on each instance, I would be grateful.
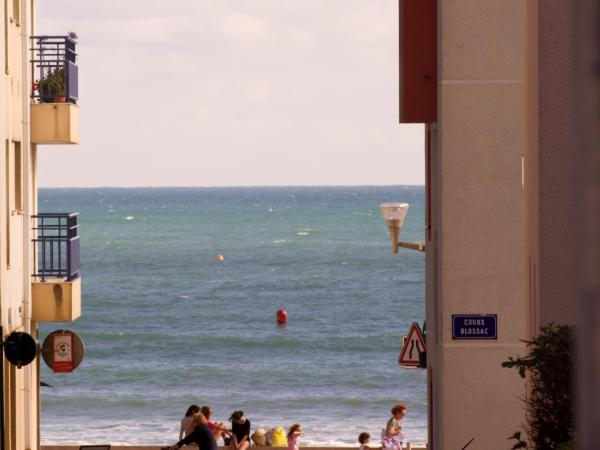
(413, 345)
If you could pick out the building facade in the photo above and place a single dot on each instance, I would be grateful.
(587, 218)
(34, 288)
(475, 265)
(500, 187)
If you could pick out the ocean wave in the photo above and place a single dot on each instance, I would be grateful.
(275, 342)
(317, 432)
(150, 351)
(131, 426)
(325, 443)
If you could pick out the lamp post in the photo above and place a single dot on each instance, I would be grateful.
(393, 214)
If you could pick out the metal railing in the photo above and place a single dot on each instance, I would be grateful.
(54, 65)
(56, 246)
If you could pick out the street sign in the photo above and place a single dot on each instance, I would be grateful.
(414, 345)
(474, 326)
(402, 348)
(63, 351)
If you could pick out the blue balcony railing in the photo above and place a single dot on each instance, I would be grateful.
(56, 246)
(54, 66)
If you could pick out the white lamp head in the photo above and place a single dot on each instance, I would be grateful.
(394, 214)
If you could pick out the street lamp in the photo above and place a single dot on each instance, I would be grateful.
(393, 214)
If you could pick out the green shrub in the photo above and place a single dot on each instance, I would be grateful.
(52, 84)
(549, 367)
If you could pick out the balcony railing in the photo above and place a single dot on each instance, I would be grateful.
(56, 246)
(54, 65)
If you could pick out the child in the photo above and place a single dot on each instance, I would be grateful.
(364, 439)
(293, 435)
(392, 437)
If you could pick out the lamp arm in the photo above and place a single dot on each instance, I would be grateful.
(418, 246)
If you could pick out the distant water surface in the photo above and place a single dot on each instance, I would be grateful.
(166, 324)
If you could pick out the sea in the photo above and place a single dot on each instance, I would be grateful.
(180, 289)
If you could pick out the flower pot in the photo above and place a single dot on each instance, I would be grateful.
(47, 98)
(49, 95)
(60, 98)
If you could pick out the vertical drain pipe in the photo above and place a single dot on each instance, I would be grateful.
(29, 377)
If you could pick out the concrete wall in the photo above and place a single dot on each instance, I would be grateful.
(476, 259)
(550, 180)
(157, 447)
(17, 203)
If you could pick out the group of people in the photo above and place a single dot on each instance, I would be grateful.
(196, 427)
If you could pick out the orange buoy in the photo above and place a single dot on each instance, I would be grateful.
(282, 317)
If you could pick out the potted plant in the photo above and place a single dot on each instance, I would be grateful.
(52, 87)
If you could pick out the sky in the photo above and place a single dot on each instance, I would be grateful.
(233, 93)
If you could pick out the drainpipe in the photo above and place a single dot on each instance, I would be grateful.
(29, 376)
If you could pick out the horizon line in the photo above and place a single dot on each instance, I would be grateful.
(232, 186)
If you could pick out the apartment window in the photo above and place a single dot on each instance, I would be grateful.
(16, 12)
(18, 178)
(6, 37)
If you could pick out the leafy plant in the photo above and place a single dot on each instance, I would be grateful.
(549, 402)
(52, 84)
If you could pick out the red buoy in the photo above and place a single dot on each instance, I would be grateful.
(282, 317)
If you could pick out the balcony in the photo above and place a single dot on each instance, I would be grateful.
(56, 285)
(54, 110)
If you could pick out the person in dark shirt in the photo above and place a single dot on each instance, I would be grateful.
(201, 435)
(240, 427)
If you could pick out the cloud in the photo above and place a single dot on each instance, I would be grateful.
(258, 91)
(245, 29)
(219, 92)
(300, 36)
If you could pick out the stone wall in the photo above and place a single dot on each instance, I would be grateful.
(157, 447)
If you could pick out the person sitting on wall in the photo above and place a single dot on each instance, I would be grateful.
(188, 423)
(217, 428)
(240, 427)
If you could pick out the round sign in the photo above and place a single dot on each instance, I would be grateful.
(63, 351)
(20, 348)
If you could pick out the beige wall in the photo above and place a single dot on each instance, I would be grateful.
(476, 260)
(20, 385)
